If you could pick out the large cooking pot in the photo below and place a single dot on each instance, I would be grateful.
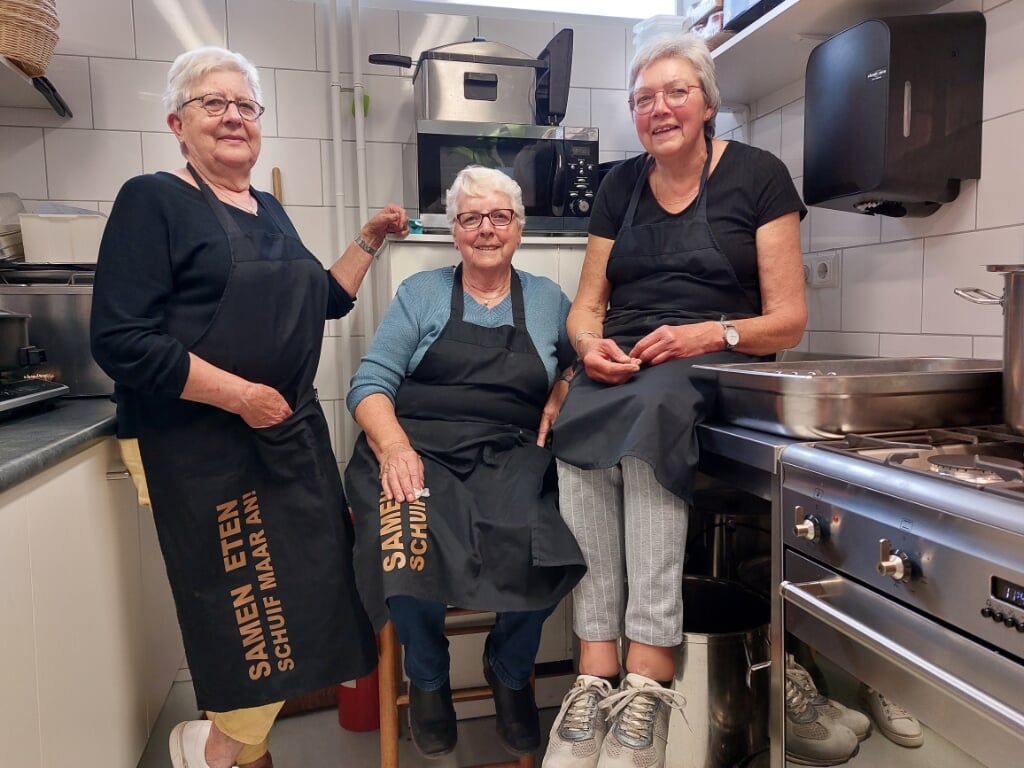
(1012, 302)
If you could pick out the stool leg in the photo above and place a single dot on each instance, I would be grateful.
(388, 677)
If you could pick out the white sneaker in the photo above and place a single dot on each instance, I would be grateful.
(579, 729)
(188, 744)
(813, 738)
(638, 723)
(895, 723)
(856, 721)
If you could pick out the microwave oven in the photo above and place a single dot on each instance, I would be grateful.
(556, 167)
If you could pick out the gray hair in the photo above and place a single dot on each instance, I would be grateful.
(691, 49)
(192, 66)
(477, 181)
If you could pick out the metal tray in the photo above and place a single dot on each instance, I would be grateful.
(828, 398)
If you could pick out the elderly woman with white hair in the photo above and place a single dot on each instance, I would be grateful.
(208, 314)
(452, 486)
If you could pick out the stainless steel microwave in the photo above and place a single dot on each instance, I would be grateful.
(556, 167)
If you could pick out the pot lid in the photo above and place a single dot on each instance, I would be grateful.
(480, 51)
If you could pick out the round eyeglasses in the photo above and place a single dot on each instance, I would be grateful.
(642, 103)
(500, 217)
(216, 106)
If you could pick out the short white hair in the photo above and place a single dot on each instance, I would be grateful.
(194, 65)
(477, 181)
(691, 49)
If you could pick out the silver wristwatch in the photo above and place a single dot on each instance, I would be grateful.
(730, 335)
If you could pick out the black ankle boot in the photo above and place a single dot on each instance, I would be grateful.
(432, 720)
(518, 722)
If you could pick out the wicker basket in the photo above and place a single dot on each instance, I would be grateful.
(28, 33)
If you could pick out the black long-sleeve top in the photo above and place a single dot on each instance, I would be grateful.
(162, 250)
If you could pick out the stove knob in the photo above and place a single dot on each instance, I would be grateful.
(986, 612)
(893, 562)
(806, 526)
(1020, 626)
(1009, 621)
(998, 617)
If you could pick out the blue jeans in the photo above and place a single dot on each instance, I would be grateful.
(511, 646)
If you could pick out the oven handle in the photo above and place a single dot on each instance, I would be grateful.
(959, 689)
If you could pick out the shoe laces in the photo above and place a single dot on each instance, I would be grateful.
(583, 701)
(893, 711)
(802, 679)
(797, 703)
(635, 709)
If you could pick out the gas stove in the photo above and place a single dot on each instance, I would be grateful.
(990, 458)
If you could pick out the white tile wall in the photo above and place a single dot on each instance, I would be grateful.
(897, 275)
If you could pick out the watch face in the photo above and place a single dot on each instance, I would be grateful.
(732, 336)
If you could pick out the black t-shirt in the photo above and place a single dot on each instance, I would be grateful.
(163, 251)
(748, 188)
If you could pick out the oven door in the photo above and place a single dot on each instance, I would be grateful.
(850, 636)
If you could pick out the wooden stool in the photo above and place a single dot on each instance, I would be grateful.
(393, 693)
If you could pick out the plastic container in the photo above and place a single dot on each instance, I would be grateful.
(649, 29)
(359, 704)
(59, 238)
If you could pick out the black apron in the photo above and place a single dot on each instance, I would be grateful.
(667, 273)
(253, 523)
(489, 536)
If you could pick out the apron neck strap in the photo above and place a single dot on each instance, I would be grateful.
(701, 200)
(219, 209)
(515, 293)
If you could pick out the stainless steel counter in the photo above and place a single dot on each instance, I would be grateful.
(745, 458)
(36, 441)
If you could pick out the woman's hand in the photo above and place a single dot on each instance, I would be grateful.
(552, 407)
(401, 472)
(607, 363)
(262, 406)
(391, 220)
(674, 342)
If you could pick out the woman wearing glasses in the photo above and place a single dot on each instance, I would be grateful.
(452, 488)
(208, 313)
(693, 256)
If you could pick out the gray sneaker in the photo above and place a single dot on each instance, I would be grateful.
(813, 738)
(638, 723)
(898, 725)
(579, 729)
(856, 721)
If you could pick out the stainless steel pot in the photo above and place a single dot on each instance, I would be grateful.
(1012, 302)
(13, 339)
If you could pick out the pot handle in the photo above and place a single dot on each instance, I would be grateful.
(978, 296)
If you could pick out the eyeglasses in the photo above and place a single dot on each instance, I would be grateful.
(675, 96)
(216, 106)
(500, 217)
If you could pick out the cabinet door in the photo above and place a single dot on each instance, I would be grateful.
(86, 582)
(19, 701)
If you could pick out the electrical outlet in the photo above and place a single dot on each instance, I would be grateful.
(821, 270)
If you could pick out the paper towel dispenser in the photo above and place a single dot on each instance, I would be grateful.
(892, 114)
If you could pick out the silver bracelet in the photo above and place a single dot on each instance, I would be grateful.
(366, 246)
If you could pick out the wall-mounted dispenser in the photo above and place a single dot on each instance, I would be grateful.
(892, 114)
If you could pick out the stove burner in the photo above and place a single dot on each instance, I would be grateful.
(975, 469)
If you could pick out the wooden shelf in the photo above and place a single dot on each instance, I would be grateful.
(772, 52)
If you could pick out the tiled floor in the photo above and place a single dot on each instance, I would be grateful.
(316, 740)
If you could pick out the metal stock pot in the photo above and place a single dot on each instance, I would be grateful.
(1012, 302)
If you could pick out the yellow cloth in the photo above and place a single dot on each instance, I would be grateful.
(250, 726)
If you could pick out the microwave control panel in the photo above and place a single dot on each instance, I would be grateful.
(582, 171)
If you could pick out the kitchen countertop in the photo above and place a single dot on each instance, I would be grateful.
(35, 441)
